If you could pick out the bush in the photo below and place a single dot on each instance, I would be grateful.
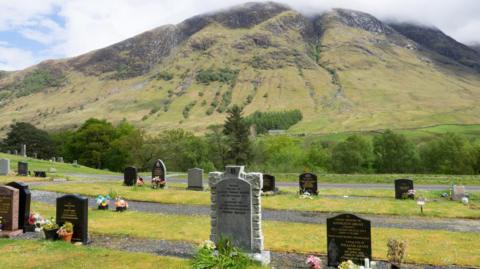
(353, 155)
(224, 75)
(164, 75)
(227, 256)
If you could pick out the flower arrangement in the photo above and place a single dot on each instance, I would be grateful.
(348, 265)
(102, 202)
(50, 228)
(120, 204)
(140, 181)
(37, 221)
(314, 262)
(306, 195)
(158, 182)
(66, 232)
(223, 255)
(411, 194)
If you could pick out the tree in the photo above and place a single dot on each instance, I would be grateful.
(449, 154)
(218, 146)
(353, 155)
(393, 153)
(37, 141)
(237, 131)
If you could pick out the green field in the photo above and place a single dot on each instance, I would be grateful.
(42, 165)
(367, 201)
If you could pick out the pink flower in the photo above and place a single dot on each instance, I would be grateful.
(314, 262)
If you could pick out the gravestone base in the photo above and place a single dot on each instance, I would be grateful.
(10, 234)
(263, 258)
(192, 188)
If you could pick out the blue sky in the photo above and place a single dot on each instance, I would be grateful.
(36, 30)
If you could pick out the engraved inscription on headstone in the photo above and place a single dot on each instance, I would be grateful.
(23, 203)
(9, 208)
(74, 208)
(308, 183)
(348, 238)
(402, 186)
(236, 209)
(159, 170)
(4, 167)
(195, 179)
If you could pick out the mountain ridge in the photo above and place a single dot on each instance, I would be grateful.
(335, 64)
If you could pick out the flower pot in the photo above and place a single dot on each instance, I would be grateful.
(67, 237)
(102, 207)
(51, 234)
(394, 266)
(121, 209)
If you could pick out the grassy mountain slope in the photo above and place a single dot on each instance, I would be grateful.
(345, 70)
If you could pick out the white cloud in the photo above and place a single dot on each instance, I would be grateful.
(92, 24)
(14, 58)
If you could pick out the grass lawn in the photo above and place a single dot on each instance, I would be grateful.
(379, 202)
(424, 246)
(418, 179)
(6, 179)
(47, 254)
(35, 164)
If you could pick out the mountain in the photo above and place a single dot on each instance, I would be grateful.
(475, 47)
(345, 70)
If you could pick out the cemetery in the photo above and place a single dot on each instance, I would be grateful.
(261, 216)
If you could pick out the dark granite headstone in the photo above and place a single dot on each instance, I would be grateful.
(268, 183)
(9, 208)
(40, 173)
(130, 176)
(23, 204)
(308, 183)
(74, 208)
(348, 238)
(234, 210)
(159, 170)
(402, 186)
(22, 168)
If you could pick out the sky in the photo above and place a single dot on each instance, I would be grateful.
(35, 30)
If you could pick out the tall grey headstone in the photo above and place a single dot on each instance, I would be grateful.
(15, 152)
(4, 167)
(35, 155)
(236, 210)
(60, 159)
(53, 159)
(23, 150)
(195, 179)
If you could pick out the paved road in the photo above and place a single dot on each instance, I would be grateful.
(458, 225)
(181, 178)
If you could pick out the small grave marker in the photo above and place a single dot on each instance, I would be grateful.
(269, 183)
(23, 204)
(308, 183)
(458, 192)
(9, 211)
(22, 168)
(4, 167)
(195, 179)
(402, 186)
(130, 176)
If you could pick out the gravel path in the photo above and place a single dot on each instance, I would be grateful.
(279, 260)
(458, 225)
(180, 178)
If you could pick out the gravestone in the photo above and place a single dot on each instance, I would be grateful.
(458, 192)
(195, 179)
(308, 183)
(53, 159)
(269, 183)
(40, 173)
(236, 210)
(22, 168)
(23, 204)
(348, 238)
(35, 155)
(74, 208)
(4, 167)
(9, 211)
(60, 159)
(15, 152)
(9, 152)
(23, 150)
(130, 176)
(159, 170)
(75, 162)
(402, 186)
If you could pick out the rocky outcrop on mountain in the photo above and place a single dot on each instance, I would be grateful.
(437, 41)
(363, 21)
